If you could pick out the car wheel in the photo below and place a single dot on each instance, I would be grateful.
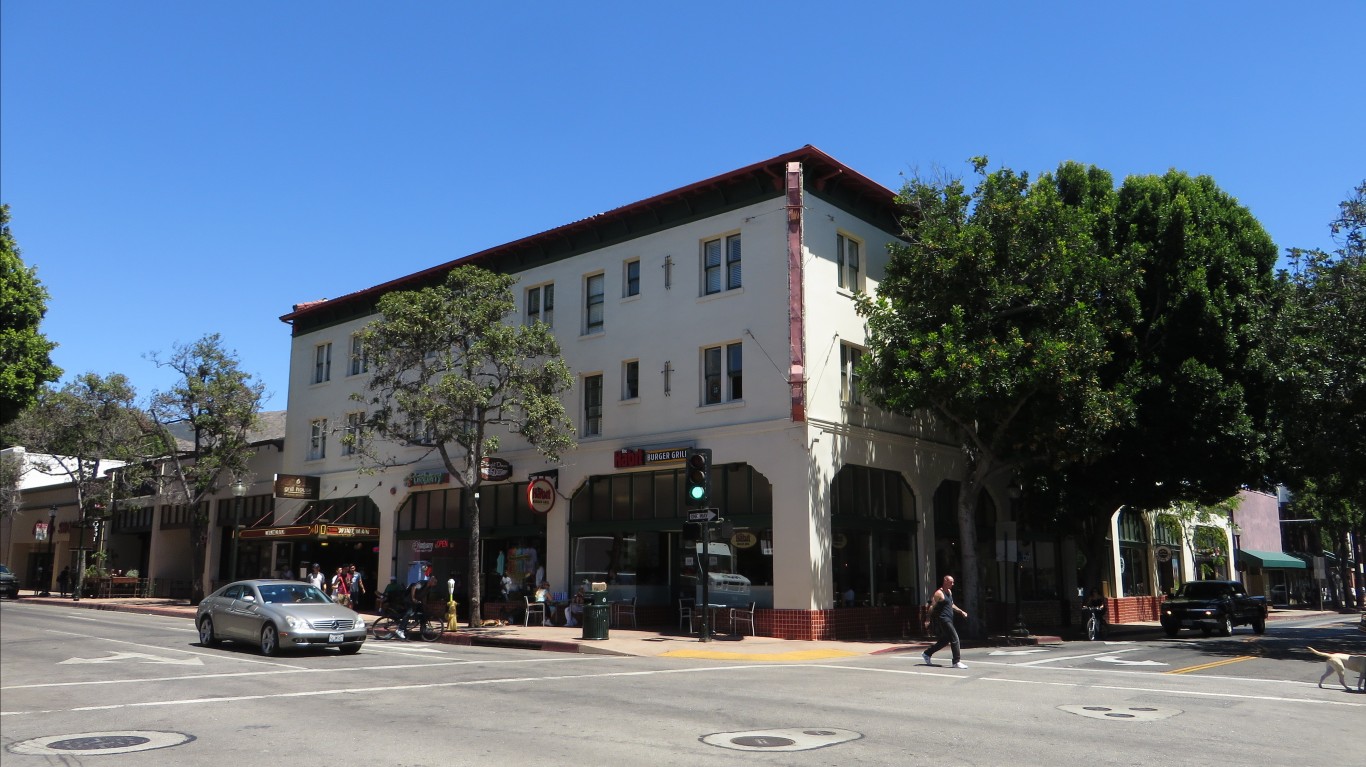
(270, 640)
(1226, 627)
(1171, 631)
(206, 635)
(350, 649)
(1259, 626)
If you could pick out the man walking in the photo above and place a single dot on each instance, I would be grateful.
(942, 610)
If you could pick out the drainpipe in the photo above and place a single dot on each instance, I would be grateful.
(796, 302)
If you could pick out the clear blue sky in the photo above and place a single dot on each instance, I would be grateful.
(180, 168)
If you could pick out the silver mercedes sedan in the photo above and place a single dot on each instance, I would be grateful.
(278, 615)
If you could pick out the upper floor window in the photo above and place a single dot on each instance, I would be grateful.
(630, 379)
(592, 405)
(851, 389)
(359, 363)
(630, 284)
(847, 260)
(722, 374)
(721, 264)
(540, 304)
(351, 444)
(593, 292)
(317, 439)
(322, 363)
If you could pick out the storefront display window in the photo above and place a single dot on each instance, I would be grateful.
(873, 538)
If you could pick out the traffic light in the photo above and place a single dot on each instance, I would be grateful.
(697, 477)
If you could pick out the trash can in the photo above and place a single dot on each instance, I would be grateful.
(596, 613)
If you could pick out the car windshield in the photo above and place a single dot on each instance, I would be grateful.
(295, 593)
(4, 569)
(1206, 590)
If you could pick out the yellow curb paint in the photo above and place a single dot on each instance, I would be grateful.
(760, 656)
(1215, 664)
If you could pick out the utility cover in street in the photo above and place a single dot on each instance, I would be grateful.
(782, 739)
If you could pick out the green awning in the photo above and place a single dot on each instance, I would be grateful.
(1271, 560)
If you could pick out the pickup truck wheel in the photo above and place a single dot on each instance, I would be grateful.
(1171, 631)
(1226, 627)
(1259, 626)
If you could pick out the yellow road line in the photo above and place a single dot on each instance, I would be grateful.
(761, 656)
(1215, 664)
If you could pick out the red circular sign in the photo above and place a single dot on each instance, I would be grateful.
(540, 495)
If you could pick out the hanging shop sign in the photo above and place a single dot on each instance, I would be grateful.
(839, 540)
(309, 531)
(1164, 554)
(297, 487)
(540, 495)
(744, 539)
(492, 469)
(635, 457)
(424, 478)
(284, 531)
(40, 531)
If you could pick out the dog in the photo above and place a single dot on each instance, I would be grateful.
(1341, 662)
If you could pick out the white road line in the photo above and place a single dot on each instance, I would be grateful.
(1042, 661)
(175, 649)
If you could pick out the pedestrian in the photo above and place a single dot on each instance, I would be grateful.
(341, 587)
(317, 579)
(357, 587)
(942, 610)
(63, 579)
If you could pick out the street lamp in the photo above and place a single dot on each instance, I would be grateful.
(51, 530)
(239, 489)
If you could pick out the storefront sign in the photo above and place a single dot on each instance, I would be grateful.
(297, 487)
(40, 530)
(493, 469)
(286, 531)
(633, 457)
(839, 540)
(540, 495)
(743, 539)
(346, 531)
(424, 478)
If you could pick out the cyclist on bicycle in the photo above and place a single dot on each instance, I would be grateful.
(417, 592)
(1096, 605)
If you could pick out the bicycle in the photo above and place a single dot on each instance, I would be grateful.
(1095, 626)
(390, 625)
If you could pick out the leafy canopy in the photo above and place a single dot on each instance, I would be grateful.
(25, 364)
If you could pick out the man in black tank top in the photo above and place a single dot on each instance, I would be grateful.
(942, 610)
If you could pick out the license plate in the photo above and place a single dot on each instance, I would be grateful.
(331, 638)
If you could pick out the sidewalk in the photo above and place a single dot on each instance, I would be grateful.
(645, 642)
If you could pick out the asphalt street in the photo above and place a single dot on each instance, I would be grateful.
(89, 687)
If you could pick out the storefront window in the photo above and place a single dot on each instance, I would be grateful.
(873, 538)
(1133, 555)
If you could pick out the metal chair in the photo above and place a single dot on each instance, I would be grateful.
(623, 610)
(685, 613)
(739, 616)
(537, 608)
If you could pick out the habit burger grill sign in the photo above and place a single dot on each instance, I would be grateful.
(540, 495)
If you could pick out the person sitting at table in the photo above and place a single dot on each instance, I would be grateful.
(574, 608)
(543, 596)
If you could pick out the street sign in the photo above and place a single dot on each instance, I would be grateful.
(704, 515)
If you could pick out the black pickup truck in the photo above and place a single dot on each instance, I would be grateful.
(1212, 605)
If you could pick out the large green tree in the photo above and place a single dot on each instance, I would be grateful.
(80, 432)
(1320, 354)
(25, 364)
(217, 404)
(995, 317)
(449, 374)
(1195, 361)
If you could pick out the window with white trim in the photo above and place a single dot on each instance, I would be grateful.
(721, 264)
(851, 385)
(359, 363)
(317, 439)
(722, 374)
(592, 405)
(630, 379)
(540, 304)
(322, 363)
(630, 279)
(593, 297)
(351, 443)
(848, 263)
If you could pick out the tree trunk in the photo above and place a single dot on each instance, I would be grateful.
(476, 549)
(971, 591)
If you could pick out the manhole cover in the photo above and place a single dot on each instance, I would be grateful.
(99, 743)
(1123, 713)
(783, 739)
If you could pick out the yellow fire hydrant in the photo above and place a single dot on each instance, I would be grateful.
(450, 605)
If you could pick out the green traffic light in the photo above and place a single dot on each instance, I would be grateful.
(697, 493)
